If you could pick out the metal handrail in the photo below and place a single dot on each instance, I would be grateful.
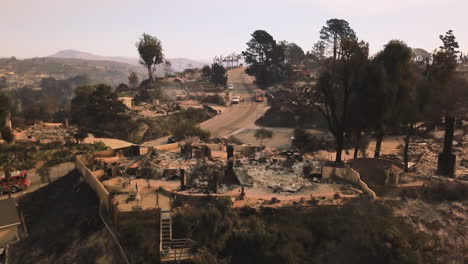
(113, 236)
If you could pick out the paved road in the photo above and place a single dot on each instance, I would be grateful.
(239, 120)
(239, 117)
(36, 183)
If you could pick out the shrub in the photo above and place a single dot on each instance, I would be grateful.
(186, 129)
(450, 191)
(306, 142)
(234, 140)
(360, 232)
(213, 99)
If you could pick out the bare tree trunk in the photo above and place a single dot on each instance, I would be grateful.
(335, 44)
(449, 130)
(357, 143)
(378, 144)
(150, 73)
(407, 141)
(356, 147)
(356, 152)
(339, 146)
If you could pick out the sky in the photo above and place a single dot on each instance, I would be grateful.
(202, 29)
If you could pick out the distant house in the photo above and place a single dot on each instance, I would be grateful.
(127, 101)
(9, 221)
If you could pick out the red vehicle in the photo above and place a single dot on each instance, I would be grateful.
(18, 182)
(259, 96)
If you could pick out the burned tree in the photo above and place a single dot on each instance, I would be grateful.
(336, 86)
(449, 95)
(169, 105)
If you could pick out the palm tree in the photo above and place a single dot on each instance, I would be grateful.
(239, 58)
(226, 60)
(233, 58)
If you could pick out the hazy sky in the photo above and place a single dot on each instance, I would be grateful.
(201, 29)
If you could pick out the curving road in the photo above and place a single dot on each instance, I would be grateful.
(239, 120)
(240, 117)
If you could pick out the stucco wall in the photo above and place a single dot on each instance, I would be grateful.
(167, 147)
(95, 184)
(373, 170)
(347, 174)
(8, 234)
(56, 172)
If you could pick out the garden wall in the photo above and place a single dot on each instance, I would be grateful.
(94, 183)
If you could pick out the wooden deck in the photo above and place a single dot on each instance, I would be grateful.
(180, 250)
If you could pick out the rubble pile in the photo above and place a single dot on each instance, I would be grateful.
(205, 177)
(278, 175)
(423, 155)
(45, 134)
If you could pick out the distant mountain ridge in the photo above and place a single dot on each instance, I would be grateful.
(178, 64)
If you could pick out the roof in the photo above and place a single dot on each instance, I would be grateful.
(9, 215)
(125, 98)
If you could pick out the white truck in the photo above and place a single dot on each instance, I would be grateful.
(236, 99)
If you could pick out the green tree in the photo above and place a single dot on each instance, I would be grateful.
(80, 135)
(366, 107)
(266, 59)
(398, 79)
(151, 53)
(218, 75)
(206, 73)
(122, 88)
(332, 35)
(94, 105)
(188, 130)
(133, 81)
(263, 134)
(294, 54)
(316, 56)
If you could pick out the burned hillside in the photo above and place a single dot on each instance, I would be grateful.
(63, 223)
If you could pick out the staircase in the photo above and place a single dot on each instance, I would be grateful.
(166, 231)
(173, 250)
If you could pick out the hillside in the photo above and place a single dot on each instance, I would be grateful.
(30, 71)
(64, 226)
(178, 64)
(75, 54)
